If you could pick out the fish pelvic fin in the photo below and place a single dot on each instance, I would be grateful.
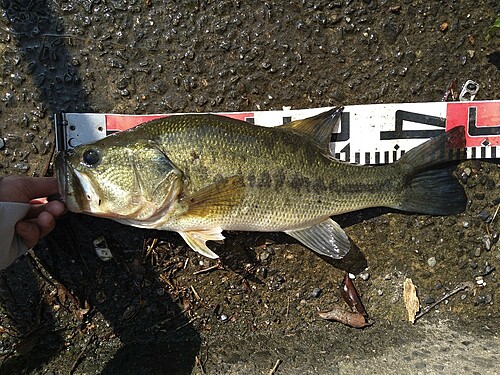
(196, 239)
(318, 128)
(325, 238)
(431, 187)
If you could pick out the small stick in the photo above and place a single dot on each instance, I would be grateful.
(200, 364)
(495, 214)
(217, 266)
(460, 287)
(275, 368)
(77, 360)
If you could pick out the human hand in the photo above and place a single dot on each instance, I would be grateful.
(41, 217)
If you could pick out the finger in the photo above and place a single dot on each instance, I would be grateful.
(38, 187)
(29, 232)
(23, 189)
(46, 223)
(56, 208)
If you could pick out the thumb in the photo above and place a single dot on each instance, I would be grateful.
(29, 232)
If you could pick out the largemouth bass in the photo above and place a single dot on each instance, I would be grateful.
(201, 174)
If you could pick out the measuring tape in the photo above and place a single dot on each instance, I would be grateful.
(366, 134)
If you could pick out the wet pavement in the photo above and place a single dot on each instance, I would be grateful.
(148, 310)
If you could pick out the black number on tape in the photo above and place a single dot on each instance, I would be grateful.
(345, 129)
(418, 118)
(482, 131)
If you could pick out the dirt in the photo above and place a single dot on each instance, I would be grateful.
(148, 310)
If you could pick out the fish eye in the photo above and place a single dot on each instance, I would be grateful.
(91, 157)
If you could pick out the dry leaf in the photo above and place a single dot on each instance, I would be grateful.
(410, 298)
(351, 319)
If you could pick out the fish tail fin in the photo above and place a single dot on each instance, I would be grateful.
(431, 188)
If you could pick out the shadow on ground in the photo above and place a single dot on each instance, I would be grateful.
(77, 277)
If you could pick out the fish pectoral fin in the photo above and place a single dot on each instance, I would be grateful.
(196, 239)
(209, 200)
(318, 128)
(326, 238)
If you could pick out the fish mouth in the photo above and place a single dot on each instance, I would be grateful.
(70, 187)
(62, 175)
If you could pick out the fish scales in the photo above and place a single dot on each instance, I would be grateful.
(281, 192)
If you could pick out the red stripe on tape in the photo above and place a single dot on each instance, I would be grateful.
(480, 119)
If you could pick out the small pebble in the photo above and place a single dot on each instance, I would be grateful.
(431, 261)
(223, 317)
(466, 224)
(380, 292)
(487, 243)
(429, 300)
(264, 255)
(485, 216)
(316, 292)
(263, 272)
(480, 299)
(2, 143)
(364, 276)
(477, 252)
(488, 269)
(480, 281)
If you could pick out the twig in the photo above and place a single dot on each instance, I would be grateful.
(275, 368)
(187, 323)
(495, 214)
(217, 266)
(460, 287)
(77, 360)
(200, 364)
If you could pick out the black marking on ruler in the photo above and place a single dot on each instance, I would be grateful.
(394, 155)
(60, 126)
(493, 152)
(473, 152)
(337, 155)
(476, 131)
(419, 118)
(357, 157)
(367, 158)
(386, 156)
(483, 152)
(377, 157)
(250, 120)
(347, 151)
(287, 120)
(345, 129)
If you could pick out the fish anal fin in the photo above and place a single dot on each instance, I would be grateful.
(318, 128)
(196, 239)
(325, 238)
(220, 195)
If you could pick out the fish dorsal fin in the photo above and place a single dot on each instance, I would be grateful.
(318, 128)
(326, 238)
(212, 198)
(196, 239)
